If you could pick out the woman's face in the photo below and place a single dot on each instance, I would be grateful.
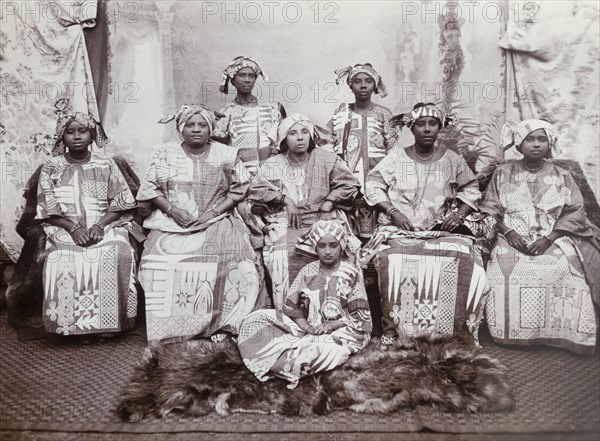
(244, 80)
(329, 250)
(362, 86)
(426, 130)
(536, 145)
(196, 131)
(77, 137)
(298, 139)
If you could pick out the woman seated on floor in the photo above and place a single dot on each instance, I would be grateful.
(430, 275)
(326, 319)
(89, 269)
(294, 189)
(198, 268)
(541, 290)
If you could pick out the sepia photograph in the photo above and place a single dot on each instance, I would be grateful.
(299, 220)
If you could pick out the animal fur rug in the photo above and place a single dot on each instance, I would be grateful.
(200, 377)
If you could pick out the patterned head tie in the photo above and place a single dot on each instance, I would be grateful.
(66, 116)
(185, 112)
(429, 109)
(234, 67)
(340, 230)
(280, 132)
(513, 133)
(351, 71)
(322, 228)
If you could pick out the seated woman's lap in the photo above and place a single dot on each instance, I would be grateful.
(430, 286)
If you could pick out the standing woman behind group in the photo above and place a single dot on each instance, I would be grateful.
(247, 120)
(362, 134)
(542, 289)
(198, 269)
(89, 271)
(245, 124)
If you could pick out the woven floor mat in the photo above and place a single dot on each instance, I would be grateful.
(53, 386)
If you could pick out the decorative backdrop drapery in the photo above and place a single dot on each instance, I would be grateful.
(44, 58)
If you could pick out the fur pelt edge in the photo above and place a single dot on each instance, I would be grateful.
(199, 377)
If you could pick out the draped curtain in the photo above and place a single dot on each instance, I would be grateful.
(44, 59)
(553, 68)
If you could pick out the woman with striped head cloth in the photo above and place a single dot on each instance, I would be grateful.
(325, 316)
(247, 121)
(245, 124)
(362, 133)
(431, 277)
(198, 268)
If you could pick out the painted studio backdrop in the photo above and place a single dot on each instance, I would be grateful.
(131, 63)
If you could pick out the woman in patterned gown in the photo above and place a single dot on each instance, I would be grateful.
(245, 124)
(431, 277)
(326, 319)
(198, 269)
(362, 134)
(542, 291)
(247, 121)
(84, 200)
(295, 189)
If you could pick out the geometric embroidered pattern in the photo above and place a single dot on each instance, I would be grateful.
(445, 323)
(532, 306)
(586, 315)
(425, 314)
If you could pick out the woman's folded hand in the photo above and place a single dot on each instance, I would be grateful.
(516, 241)
(81, 237)
(539, 246)
(401, 221)
(205, 217)
(182, 217)
(96, 234)
(451, 222)
(294, 215)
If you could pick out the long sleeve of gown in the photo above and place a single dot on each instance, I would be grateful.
(264, 193)
(492, 203)
(119, 194)
(156, 178)
(573, 219)
(358, 307)
(343, 185)
(47, 204)
(468, 187)
(377, 186)
(391, 134)
(292, 306)
(238, 183)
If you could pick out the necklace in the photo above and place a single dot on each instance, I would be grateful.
(297, 164)
(533, 169)
(72, 160)
(424, 158)
(420, 191)
(196, 157)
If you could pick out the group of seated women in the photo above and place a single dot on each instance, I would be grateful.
(262, 224)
